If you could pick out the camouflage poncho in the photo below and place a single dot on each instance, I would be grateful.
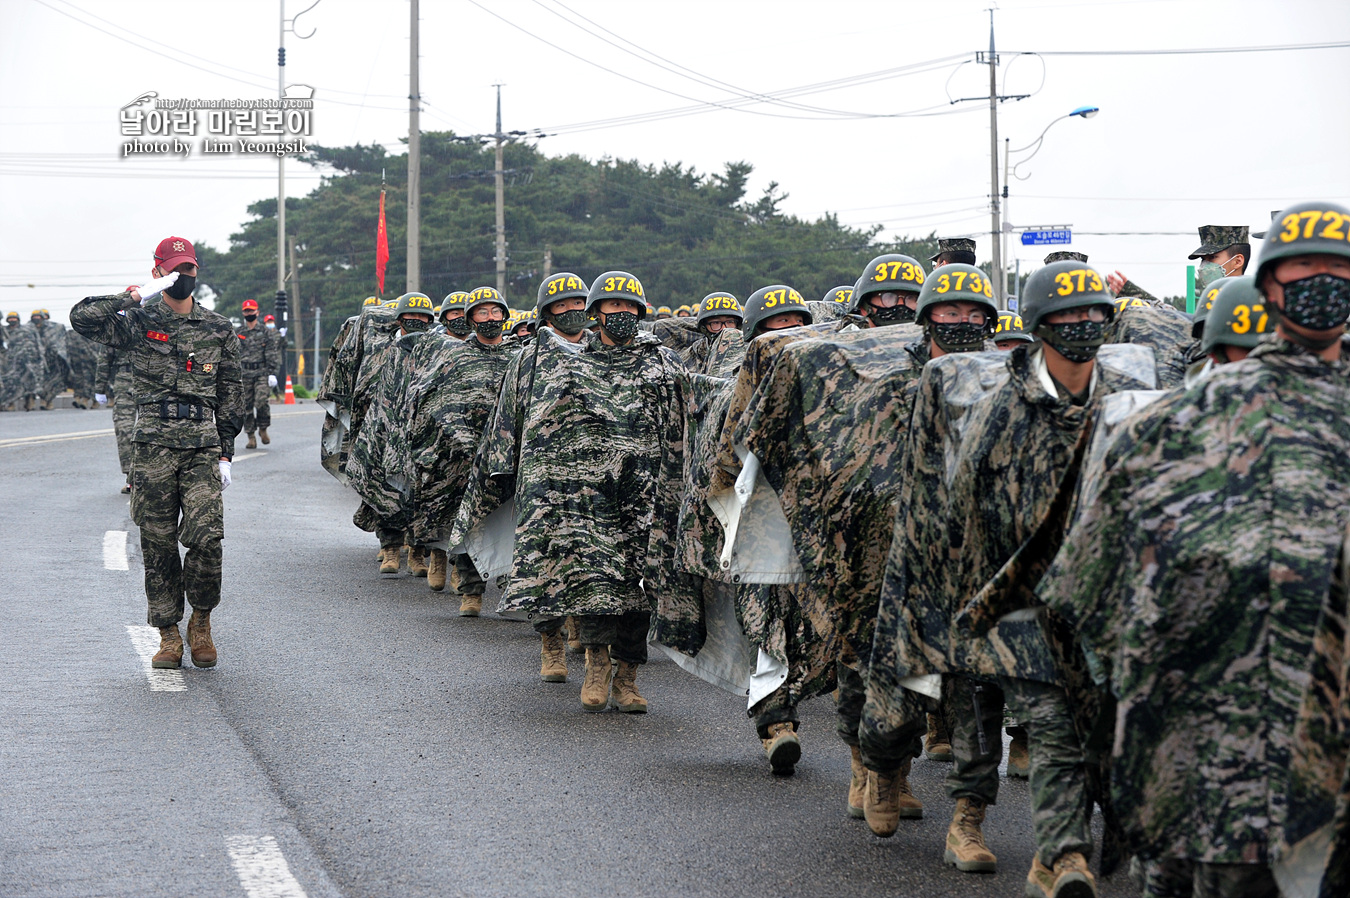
(337, 396)
(376, 466)
(453, 392)
(591, 445)
(1201, 576)
(1163, 329)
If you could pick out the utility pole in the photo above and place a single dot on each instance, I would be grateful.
(297, 325)
(501, 208)
(318, 326)
(281, 163)
(414, 164)
(996, 226)
(548, 261)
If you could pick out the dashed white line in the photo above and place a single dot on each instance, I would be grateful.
(262, 868)
(146, 642)
(115, 550)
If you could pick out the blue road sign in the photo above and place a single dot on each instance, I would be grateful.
(1043, 238)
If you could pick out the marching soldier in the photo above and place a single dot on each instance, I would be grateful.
(258, 357)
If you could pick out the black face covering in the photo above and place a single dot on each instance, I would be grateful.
(250, 317)
(571, 322)
(959, 337)
(1077, 341)
(414, 325)
(181, 288)
(1319, 303)
(897, 314)
(489, 330)
(621, 326)
(459, 326)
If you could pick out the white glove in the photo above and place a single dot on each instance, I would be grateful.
(282, 331)
(156, 287)
(272, 380)
(100, 399)
(224, 474)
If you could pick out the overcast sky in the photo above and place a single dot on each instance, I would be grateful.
(1182, 139)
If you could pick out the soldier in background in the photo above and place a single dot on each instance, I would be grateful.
(258, 357)
(278, 337)
(452, 315)
(51, 338)
(113, 383)
(11, 375)
(83, 354)
(954, 249)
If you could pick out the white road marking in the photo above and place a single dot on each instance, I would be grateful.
(262, 868)
(54, 438)
(248, 455)
(115, 550)
(146, 642)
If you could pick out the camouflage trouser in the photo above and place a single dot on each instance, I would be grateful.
(465, 579)
(547, 626)
(892, 727)
(175, 497)
(849, 704)
(390, 536)
(124, 425)
(1060, 808)
(1181, 878)
(625, 634)
(776, 707)
(974, 774)
(257, 413)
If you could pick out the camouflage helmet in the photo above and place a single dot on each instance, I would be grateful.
(767, 302)
(485, 296)
(1203, 303)
(684, 311)
(370, 301)
(456, 300)
(1305, 229)
(11, 316)
(1238, 315)
(617, 285)
(842, 294)
(1010, 328)
(957, 282)
(414, 304)
(891, 272)
(390, 303)
(715, 305)
(560, 286)
(664, 311)
(1059, 286)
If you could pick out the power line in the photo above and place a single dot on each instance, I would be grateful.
(1194, 51)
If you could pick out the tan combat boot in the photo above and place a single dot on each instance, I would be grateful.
(857, 784)
(262, 432)
(252, 440)
(417, 561)
(199, 639)
(1019, 759)
(170, 654)
(783, 748)
(624, 692)
(1069, 878)
(888, 798)
(389, 560)
(553, 666)
(436, 570)
(937, 745)
(570, 632)
(599, 670)
(966, 850)
(470, 606)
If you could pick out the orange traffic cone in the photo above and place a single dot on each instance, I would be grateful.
(290, 392)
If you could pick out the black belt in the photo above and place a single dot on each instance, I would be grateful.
(187, 411)
(253, 366)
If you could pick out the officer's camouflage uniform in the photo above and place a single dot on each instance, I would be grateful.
(1016, 460)
(186, 372)
(279, 352)
(1200, 581)
(1162, 328)
(114, 379)
(83, 354)
(591, 446)
(258, 357)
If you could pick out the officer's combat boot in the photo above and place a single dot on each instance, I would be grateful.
(599, 670)
(417, 561)
(783, 748)
(1019, 759)
(937, 745)
(170, 654)
(470, 606)
(262, 432)
(436, 570)
(389, 559)
(570, 631)
(199, 639)
(252, 440)
(966, 850)
(624, 694)
(553, 666)
(888, 799)
(1069, 878)
(857, 784)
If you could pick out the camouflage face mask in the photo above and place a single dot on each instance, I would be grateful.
(571, 322)
(1319, 303)
(621, 326)
(1077, 341)
(959, 337)
(459, 326)
(896, 314)
(1207, 274)
(489, 330)
(414, 325)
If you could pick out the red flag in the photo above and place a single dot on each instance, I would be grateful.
(381, 247)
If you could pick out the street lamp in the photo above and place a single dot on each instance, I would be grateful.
(1085, 112)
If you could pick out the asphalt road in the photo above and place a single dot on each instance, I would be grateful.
(359, 738)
